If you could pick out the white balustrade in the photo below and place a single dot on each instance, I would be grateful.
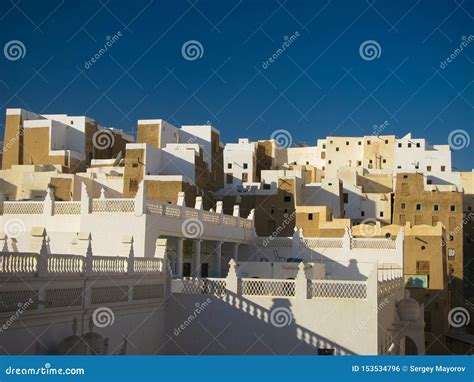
(338, 289)
(267, 287)
(13, 262)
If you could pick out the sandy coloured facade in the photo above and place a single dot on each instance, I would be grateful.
(257, 203)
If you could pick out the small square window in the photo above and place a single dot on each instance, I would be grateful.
(428, 168)
(368, 142)
(384, 161)
(272, 211)
(452, 208)
(399, 145)
(329, 161)
(402, 206)
(324, 146)
(229, 165)
(436, 207)
(246, 165)
(310, 216)
(347, 143)
(418, 206)
(287, 199)
(337, 148)
(429, 181)
(409, 145)
(399, 167)
(443, 168)
(362, 213)
(386, 141)
(359, 143)
(381, 214)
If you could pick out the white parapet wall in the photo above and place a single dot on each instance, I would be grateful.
(282, 316)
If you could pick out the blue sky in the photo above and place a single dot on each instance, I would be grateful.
(320, 85)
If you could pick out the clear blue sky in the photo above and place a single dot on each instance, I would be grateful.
(320, 85)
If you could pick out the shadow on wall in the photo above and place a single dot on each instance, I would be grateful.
(241, 327)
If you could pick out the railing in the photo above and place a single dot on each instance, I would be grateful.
(389, 281)
(147, 265)
(113, 205)
(374, 243)
(24, 263)
(67, 208)
(66, 264)
(22, 208)
(267, 287)
(338, 289)
(12, 262)
(109, 264)
(211, 286)
(174, 211)
(323, 243)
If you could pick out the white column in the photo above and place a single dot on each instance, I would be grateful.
(218, 257)
(179, 257)
(196, 271)
(235, 252)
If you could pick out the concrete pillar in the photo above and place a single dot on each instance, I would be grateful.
(232, 281)
(179, 257)
(85, 200)
(196, 271)
(218, 259)
(140, 200)
(48, 206)
(235, 252)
